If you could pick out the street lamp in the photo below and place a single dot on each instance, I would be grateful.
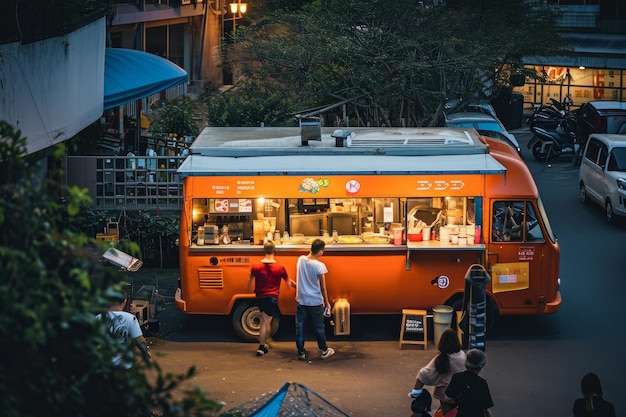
(232, 13)
(237, 10)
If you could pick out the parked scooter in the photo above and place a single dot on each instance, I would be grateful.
(549, 116)
(546, 144)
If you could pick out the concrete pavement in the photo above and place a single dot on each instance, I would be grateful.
(368, 376)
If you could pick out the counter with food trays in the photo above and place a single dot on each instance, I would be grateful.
(365, 242)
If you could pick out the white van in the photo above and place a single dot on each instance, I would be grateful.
(602, 175)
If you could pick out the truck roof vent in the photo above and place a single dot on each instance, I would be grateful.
(310, 129)
(440, 138)
(343, 138)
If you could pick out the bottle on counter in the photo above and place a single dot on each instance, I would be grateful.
(477, 234)
(225, 237)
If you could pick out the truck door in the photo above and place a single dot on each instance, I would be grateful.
(514, 255)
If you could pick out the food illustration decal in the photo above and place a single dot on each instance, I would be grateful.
(309, 185)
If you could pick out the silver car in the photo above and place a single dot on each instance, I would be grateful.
(485, 124)
(602, 174)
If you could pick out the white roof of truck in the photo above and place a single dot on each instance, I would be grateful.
(368, 151)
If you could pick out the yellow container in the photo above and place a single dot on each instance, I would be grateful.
(341, 316)
(259, 232)
(108, 237)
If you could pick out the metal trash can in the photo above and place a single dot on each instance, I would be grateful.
(442, 319)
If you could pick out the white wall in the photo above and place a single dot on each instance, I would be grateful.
(53, 89)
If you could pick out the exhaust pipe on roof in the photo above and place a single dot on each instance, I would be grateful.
(310, 129)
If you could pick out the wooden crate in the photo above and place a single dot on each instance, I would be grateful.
(108, 237)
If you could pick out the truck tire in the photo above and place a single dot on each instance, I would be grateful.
(492, 312)
(247, 321)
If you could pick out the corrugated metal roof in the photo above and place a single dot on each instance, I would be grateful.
(591, 50)
(597, 43)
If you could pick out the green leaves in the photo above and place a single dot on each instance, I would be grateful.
(393, 63)
(58, 356)
(177, 117)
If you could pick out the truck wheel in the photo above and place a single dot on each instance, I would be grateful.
(247, 321)
(492, 312)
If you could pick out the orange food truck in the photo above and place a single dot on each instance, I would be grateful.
(404, 212)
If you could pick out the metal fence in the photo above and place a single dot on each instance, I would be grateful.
(129, 182)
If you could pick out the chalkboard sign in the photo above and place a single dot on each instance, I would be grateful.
(413, 324)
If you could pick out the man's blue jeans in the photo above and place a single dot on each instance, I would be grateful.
(316, 313)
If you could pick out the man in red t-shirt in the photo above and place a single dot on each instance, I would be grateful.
(267, 275)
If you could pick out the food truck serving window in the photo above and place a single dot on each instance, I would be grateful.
(251, 220)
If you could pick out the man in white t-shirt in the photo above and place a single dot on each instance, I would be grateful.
(312, 298)
(123, 328)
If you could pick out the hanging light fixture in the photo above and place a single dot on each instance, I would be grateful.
(238, 8)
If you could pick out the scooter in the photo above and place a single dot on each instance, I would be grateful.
(549, 116)
(546, 144)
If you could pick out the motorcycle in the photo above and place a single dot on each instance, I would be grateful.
(562, 141)
(548, 116)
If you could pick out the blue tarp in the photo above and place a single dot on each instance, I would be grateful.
(292, 399)
(131, 75)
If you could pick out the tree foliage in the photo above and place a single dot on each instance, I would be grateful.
(249, 105)
(56, 356)
(156, 235)
(390, 63)
(177, 117)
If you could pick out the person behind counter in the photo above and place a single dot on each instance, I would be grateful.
(267, 274)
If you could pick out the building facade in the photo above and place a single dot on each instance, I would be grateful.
(186, 32)
(595, 31)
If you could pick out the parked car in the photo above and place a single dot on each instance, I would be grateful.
(485, 124)
(602, 174)
(600, 117)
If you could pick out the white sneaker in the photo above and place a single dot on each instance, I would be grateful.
(328, 353)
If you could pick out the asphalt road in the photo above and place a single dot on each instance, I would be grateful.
(534, 364)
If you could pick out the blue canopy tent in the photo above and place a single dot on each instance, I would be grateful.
(292, 399)
(131, 75)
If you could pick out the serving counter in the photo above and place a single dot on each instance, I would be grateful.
(430, 245)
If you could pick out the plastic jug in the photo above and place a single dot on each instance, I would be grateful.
(397, 235)
(341, 316)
